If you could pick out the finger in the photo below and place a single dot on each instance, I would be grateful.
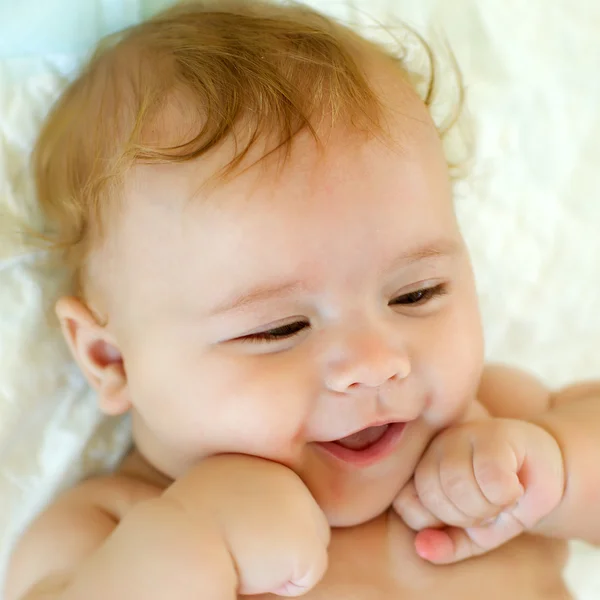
(502, 529)
(435, 546)
(496, 468)
(446, 546)
(458, 481)
(431, 494)
(452, 544)
(306, 578)
(411, 510)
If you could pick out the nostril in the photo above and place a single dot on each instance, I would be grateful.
(367, 370)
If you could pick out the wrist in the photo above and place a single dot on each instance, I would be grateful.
(574, 426)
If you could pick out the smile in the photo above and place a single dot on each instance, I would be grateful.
(367, 446)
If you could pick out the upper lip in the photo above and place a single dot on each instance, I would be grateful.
(379, 423)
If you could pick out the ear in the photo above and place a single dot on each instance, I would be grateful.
(97, 354)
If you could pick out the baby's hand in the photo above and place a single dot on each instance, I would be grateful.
(263, 517)
(479, 485)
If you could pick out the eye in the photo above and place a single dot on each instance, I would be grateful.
(277, 333)
(419, 297)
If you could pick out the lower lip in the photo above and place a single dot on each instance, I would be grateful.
(381, 449)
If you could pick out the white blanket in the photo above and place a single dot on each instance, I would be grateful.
(530, 211)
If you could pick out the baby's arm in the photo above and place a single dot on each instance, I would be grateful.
(572, 416)
(70, 531)
(117, 538)
(573, 419)
(232, 525)
(531, 467)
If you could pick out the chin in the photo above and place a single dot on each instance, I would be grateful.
(356, 511)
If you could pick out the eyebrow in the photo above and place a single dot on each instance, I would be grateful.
(261, 293)
(441, 248)
(256, 295)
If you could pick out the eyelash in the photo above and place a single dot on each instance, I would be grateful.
(276, 334)
(424, 295)
(287, 331)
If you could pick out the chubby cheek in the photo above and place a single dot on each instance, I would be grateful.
(454, 363)
(222, 404)
(268, 400)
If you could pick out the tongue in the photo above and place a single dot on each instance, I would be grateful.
(361, 440)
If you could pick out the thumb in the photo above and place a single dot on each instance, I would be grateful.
(452, 544)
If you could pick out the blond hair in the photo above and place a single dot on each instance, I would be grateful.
(272, 69)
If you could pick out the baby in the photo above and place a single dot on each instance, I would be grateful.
(272, 282)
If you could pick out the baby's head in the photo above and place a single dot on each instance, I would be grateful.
(259, 209)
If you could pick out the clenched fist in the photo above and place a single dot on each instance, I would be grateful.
(479, 485)
(263, 517)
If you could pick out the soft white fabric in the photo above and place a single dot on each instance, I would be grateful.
(530, 210)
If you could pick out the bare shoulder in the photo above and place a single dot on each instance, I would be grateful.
(509, 392)
(71, 529)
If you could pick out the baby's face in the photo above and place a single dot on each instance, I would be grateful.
(281, 314)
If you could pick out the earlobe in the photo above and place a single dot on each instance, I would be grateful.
(96, 353)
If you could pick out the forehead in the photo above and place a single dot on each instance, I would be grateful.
(407, 135)
(174, 233)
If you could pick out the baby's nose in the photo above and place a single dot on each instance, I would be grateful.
(366, 361)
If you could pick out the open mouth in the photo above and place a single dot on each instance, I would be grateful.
(361, 440)
(367, 446)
